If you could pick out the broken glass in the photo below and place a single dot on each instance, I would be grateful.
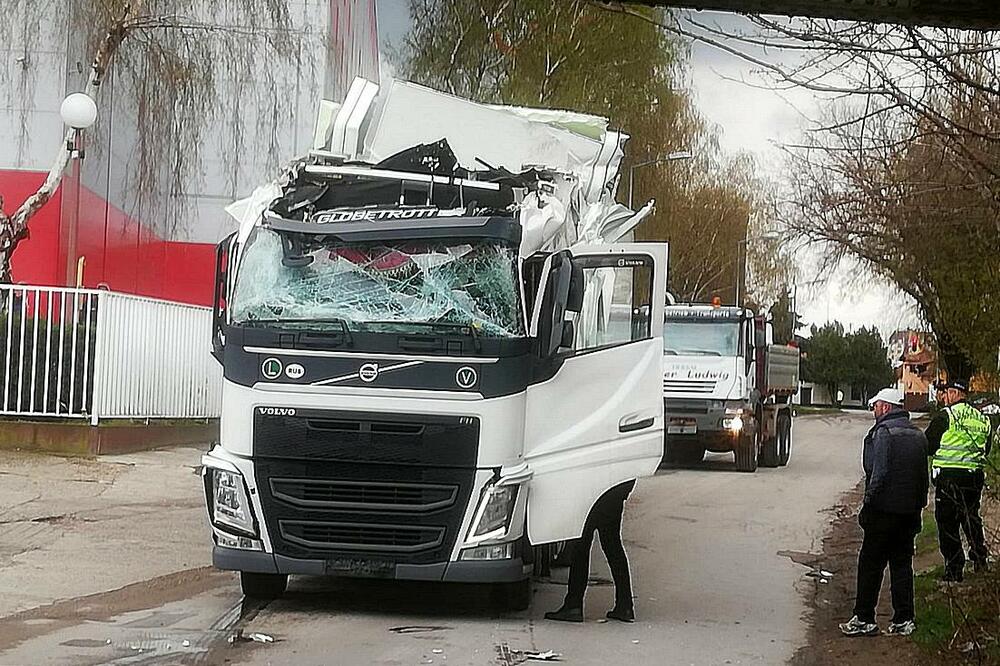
(378, 287)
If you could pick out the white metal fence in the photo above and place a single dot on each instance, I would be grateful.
(100, 354)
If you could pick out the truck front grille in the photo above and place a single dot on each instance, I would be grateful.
(361, 536)
(379, 488)
(698, 386)
(332, 494)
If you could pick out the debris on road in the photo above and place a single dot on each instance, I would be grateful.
(542, 656)
(185, 643)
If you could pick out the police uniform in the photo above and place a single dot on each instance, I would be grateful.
(959, 440)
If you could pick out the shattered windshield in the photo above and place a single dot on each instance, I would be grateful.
(690, 337)
(408, 287)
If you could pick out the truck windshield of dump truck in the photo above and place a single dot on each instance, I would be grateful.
(383, 287)
(701, 337)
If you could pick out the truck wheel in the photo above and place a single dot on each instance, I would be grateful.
(770, 453)
(746, 454)
(784, 439)
(263, 585)
(513, 596)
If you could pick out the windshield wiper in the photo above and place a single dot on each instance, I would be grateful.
(700, 352)
(465, 329)
(342, 323)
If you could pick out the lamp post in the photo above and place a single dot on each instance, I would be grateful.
(78, 112)
(741, 265)
(681, 155)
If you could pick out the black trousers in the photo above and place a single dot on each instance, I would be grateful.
(606, 519)
(888, 540)
(956, 508)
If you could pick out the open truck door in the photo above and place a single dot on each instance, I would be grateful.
(597, 421)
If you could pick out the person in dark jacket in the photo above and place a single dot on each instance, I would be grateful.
(895, 464)
(959, 440)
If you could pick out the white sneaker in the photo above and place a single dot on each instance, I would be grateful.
(901, 628)
(855, 627)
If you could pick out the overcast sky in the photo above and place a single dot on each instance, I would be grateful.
(756, 119)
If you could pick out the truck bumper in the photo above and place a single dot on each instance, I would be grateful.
(708, 416)
(495, 571)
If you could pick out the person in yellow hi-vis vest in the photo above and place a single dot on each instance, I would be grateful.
(959, 440)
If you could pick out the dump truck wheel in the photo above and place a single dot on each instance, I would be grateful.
(770, 452)
(785, 439)
(746, 453)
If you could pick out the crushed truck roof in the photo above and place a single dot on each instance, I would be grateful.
(402, 154)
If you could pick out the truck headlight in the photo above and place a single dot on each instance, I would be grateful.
(499, 551)
(495, 510)
(733, 424)
(230, 506)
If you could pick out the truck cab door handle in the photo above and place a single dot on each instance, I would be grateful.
(625, 426)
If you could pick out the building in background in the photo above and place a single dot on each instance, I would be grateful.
(913, 355)
(95, 232)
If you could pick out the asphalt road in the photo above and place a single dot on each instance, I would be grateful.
(713, 557)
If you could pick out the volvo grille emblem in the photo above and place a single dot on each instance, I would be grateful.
(368, 372)
(466, 377)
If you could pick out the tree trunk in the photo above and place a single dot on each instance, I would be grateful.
(14, 228)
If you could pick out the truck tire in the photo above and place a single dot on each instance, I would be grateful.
(784, 439)
(513, 596)
(745, 453)
(263, 586)
(770, 451)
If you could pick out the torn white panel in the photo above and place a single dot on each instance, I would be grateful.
(325, 118)
(407, 114)
(592, 127)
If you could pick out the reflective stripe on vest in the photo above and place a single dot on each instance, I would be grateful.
(963, 445)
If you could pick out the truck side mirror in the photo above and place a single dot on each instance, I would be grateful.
(553, 306)
(568, 335)
(220, 301)
(574, 299)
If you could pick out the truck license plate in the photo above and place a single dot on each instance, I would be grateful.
(360, 568)
(682, 427)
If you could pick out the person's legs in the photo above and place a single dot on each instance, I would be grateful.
(972, 521)
(611, 543)
(872, 559)
(901, 569)
(579, 568)
(947, 513)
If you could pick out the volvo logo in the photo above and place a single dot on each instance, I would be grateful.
(368, 372)
(271, 368)
(276, 411)
(466, 377)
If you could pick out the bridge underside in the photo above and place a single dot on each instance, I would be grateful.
(974, 14)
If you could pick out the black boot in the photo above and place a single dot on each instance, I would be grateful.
(622, 614)
(565, 614)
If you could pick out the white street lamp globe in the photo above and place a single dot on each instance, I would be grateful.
(78, 110)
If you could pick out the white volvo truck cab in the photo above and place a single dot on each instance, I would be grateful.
(422, 376)
(726, 387)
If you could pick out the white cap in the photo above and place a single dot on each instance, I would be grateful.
(889, 395)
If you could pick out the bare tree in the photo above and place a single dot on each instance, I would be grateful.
(171, 56)
(902, 172)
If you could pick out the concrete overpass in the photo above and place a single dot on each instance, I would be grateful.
(976, 14)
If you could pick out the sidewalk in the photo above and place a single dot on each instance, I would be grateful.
(71, 527)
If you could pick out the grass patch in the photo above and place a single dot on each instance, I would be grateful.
(927, 540)
(934, 621)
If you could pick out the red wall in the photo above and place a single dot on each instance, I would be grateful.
(36, 259)
(119, 250)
